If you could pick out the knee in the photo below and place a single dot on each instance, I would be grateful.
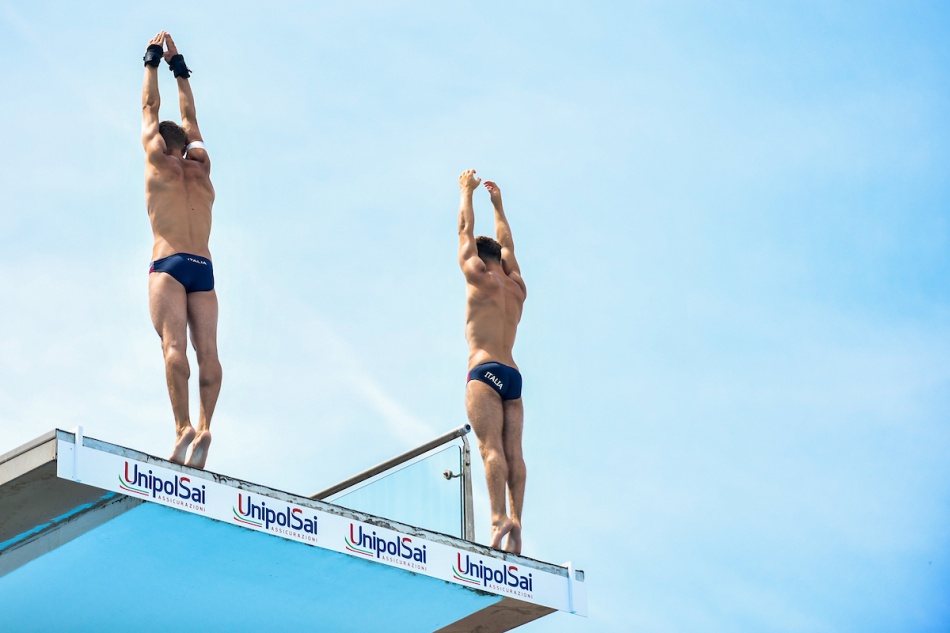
(176, 359)
(494, 457)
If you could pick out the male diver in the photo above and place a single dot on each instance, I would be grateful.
(181, 296)
(495, 297)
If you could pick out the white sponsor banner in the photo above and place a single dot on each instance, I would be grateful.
(263, 513)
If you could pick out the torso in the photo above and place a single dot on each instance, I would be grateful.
(493, 311)
(179, 196)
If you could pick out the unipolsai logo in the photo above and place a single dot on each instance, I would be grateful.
(278, 517)
(399, 550)
(177, 489)
(505, 576)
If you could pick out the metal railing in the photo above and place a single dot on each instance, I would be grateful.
(394, 464)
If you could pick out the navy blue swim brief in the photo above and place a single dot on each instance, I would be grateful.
(502, 378)
(192, 271)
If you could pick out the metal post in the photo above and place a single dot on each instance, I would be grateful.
(570, 587)
(468, 513)
(77, 447)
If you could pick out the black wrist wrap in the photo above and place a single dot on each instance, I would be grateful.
(177, 65)
(153, 55)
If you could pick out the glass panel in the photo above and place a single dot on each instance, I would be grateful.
(417, 493)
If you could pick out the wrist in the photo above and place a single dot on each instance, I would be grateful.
(177, 65)
(153, 55)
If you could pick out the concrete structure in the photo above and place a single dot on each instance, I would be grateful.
(97, 537)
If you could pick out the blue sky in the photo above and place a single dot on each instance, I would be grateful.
(732, 219)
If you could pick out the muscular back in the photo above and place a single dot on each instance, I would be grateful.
(493, 311)
(179, 196)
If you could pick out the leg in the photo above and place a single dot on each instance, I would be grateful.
(517, 472)
(168, 307)
(203, 321)
(486, 415)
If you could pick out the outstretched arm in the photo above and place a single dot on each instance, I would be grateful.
(186, 102)
(152, 141)
(468, 254)
(503, 233)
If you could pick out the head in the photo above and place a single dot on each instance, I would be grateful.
(174, 135)
(488, 249)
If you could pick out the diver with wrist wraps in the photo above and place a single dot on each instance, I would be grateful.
(179, 197)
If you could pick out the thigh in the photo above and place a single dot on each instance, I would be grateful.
(203, 321)
(485, 414)
(168, 307)
(514, 427)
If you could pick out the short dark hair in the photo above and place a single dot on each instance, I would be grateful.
(488, 249)
(174, 135)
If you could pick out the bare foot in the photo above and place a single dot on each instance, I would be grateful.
(499, 530)
(183, 439)
(199, 450)
(513, 544)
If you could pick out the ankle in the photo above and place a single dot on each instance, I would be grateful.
(500, 521)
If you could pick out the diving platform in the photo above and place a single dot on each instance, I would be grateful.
(98, 537)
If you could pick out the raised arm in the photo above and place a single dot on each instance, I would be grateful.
(152, 141)
(503, 233)
(186, 102)
(468, 253)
